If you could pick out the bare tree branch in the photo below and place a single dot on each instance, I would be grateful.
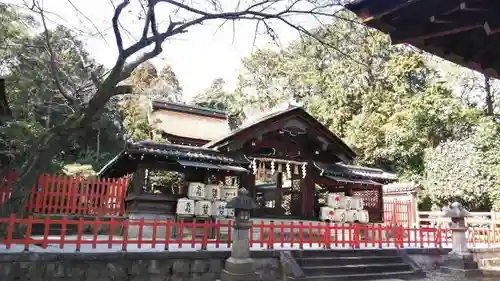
(53, 60)
(116, 26)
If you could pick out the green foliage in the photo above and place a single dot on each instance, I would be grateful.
(384, 101)
(217, 98)
(466, 170)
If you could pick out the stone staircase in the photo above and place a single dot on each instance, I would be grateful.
(355, 265)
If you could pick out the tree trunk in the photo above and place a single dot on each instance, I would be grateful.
(44, 150)
(489, 96)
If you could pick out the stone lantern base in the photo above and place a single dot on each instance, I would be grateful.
(461, 265)
(239, 270)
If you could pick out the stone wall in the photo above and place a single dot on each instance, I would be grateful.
(429, 259)
(130, 266)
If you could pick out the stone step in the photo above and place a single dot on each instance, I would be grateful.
(404, 275)
(355, 269)
(346, 253)
(356, 260)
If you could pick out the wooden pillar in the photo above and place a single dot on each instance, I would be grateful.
(380, 202)
(348, 189)
(279, 190)
(139, 180)
(307, 193)
(248, 182)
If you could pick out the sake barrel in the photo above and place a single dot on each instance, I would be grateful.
(219, 209)
(340, 215)
(202, 208)
(212, 192)
(229, 192)
(363, 216)
(196, 190)
(357, 203)
(229, 213)
(327, 213)
(347, 202)
(352, 216)
(185, 207)
(333, 200)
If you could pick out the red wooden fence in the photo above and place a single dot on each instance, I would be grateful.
(398, 212)
(71, 195)
(169, 234)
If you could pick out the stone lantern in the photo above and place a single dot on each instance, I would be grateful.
(460, 260)
(239, 267)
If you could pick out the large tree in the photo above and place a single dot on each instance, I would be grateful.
(385, 101)
(184, 16)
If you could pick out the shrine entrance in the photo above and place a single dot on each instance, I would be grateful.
(294, 161)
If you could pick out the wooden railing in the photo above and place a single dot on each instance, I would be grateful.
(99, 235)
(71, 195)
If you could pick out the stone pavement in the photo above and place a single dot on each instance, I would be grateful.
(438, 276)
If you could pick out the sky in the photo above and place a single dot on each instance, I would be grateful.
(198, 57)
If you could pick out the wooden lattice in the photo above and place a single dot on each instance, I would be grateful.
(372, 201)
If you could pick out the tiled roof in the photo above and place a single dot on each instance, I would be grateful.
(351, 171)
(181, 152)
(401, 187)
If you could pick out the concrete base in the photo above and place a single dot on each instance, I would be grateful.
(461, 266)
(239, 270)
(147, 231)
(230, 276)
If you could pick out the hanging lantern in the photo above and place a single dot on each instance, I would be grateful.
(295, 169)
(304, 171)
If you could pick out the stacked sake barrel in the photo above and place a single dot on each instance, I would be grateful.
(206, 200)
(344, 209)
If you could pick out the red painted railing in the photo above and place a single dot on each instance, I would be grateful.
(398, 212)
(81, 235)
(71, 195)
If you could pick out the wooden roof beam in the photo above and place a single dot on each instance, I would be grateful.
(492, 26)
(439, 26)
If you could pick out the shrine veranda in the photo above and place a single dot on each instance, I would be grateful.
(287, 160)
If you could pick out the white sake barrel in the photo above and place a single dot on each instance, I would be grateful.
(346, 202)
(352, 216)
(185, 207)
(327, 213)
(202, 208)
(212, 192)
(196, 190)
(229, 213)
(333, 200)
(219, 209)
(340, 215)
(229, 192)
(357, 203)
(363, 216)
